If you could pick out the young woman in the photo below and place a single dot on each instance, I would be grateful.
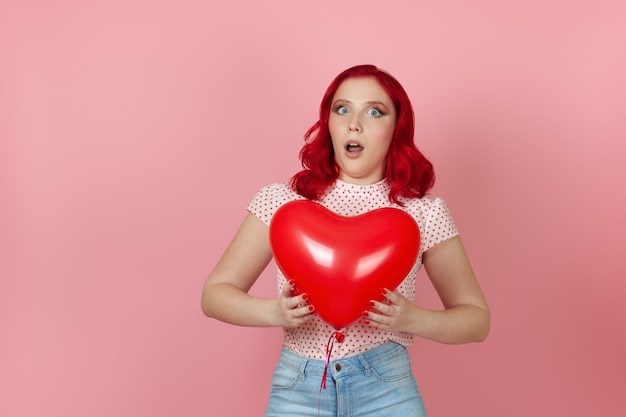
(359, 156)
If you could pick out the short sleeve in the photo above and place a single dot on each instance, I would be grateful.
(269, 198)
(439, 225)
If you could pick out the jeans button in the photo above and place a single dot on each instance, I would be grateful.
(337, 367)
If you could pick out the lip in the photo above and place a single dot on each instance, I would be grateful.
(350, 141)
(353, 154)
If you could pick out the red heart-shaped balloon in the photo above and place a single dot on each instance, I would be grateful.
(343, 262)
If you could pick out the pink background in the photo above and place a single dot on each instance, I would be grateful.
(134, 133)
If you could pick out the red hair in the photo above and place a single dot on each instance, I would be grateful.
(407, 171)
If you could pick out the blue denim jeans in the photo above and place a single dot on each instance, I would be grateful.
(375, 383)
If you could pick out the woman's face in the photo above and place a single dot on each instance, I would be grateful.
(362, 122)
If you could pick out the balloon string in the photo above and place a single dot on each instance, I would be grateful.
(329, 349)
(335, 336)
(339, 337)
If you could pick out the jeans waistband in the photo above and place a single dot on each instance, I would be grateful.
(361, 362)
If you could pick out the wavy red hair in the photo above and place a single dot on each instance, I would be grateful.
(407, 171)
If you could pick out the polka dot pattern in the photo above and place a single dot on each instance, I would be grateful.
(435, 224)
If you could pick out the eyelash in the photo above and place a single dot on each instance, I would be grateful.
(381, 113)
(338, 109)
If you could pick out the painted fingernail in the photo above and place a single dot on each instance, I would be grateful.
(311, 308)
(305, 296)
(365, 313)
(371, 304)
(292, 282)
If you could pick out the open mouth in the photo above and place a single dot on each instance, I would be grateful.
(354, 147)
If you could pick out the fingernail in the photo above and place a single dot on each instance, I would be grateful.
(383, 291)
(292, 282)
(365, 313)
(311, 308)
(371, 304)
(305, 296)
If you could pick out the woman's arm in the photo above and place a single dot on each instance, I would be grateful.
(465, 317)
(225, 293)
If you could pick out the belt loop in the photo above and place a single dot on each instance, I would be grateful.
(302, 369)
(365, 363)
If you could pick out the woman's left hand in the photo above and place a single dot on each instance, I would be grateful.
(465, 317)
(396, 312)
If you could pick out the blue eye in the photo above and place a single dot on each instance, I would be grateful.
(341, 110)
(375, 112)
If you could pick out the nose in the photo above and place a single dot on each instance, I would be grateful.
(355, 124)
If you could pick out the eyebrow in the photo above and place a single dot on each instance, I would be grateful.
(367, 102)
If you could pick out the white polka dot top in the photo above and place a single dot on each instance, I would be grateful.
(435, 224)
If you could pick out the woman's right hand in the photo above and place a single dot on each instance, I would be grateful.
(225, 294)
(292, 310)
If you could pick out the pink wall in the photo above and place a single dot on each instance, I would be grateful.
(134, 133)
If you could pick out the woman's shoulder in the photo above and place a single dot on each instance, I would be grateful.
(281, 187)
(278, 192)
(269, 198)
(423, 204)
(434, 219)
